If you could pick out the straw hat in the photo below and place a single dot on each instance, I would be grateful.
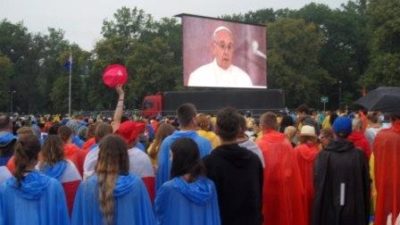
(307, 130)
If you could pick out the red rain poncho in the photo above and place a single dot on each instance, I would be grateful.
(360, 141)
(283, 194)
(306, 155)
(387, 173)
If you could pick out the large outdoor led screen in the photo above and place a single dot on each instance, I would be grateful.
(218, 53)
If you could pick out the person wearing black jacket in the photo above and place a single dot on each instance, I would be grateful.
(342, 182)
(237, 174)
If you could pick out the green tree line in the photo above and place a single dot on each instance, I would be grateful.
(311, 52)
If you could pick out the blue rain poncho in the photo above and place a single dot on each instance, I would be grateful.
(55, 170)
(181, 203)
(40, 200)
(132, 203)
(164, 155)
(5, 139)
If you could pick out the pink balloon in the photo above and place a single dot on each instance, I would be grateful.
(115, 74)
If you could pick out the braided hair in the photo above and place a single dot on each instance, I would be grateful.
(113, 160)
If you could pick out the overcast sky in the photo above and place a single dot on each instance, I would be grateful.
(82, 19)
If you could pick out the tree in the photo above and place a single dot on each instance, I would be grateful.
(16, 44)
(344, 53)
(59, 94)
(127, 23)
(154, 70)
(35, 62)
(384, 24)
(150, 50)
(5, 75)
(262, 16)
(293, 60)
(49, 49)
(171, 33)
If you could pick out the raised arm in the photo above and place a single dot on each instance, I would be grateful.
(119, 109)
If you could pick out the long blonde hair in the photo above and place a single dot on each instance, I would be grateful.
(113, 160)
(52, 150)
(164, 130)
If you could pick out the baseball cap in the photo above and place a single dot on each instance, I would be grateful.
(342, 126)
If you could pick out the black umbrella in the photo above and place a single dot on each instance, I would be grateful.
(384, 99)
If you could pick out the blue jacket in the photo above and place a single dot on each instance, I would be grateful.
(164, 159)
(182, 203)
(132, 203)
(40, 200)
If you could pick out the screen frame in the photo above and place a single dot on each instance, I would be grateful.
(185, 85)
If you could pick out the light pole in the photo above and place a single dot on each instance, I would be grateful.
(340, 92)
(69, 84)
(11, 92)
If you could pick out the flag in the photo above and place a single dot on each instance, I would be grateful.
(68, 63)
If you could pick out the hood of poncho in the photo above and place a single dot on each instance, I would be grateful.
(308, 152)
(356, 136)
(55, 170)
(272, 136)
(185, 134)
(124, 184)
(199, 192)
(340, 145)
(32, 186)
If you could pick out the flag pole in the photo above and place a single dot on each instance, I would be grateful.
(70, 84)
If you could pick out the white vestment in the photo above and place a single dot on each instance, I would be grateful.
(211, 75)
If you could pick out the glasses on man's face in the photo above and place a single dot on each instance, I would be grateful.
(224, 46)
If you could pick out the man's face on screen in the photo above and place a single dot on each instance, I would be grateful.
(223, 48)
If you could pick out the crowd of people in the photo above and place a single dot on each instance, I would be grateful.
(331, 168)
